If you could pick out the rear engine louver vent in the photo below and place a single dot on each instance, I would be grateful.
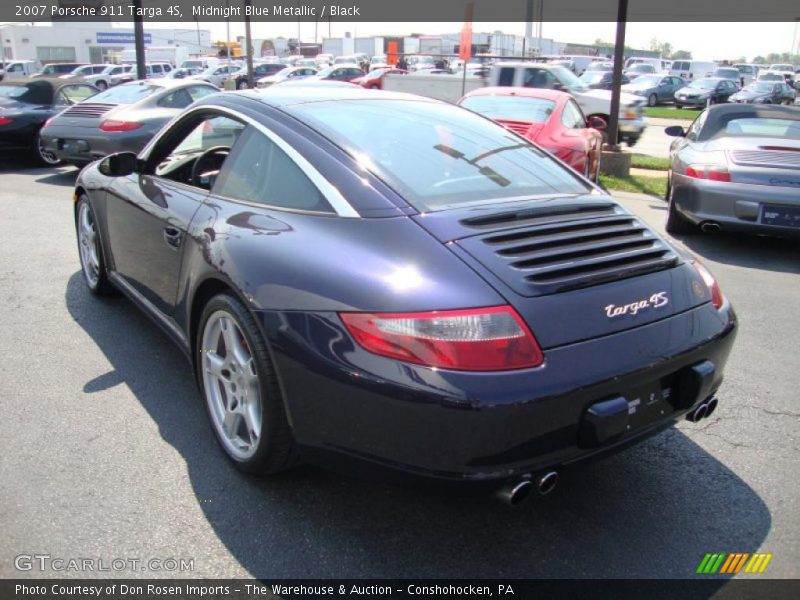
(571, 249)
(520, 127)
(775, 159)
(89, 110)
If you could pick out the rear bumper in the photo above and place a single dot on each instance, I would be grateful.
(77, 146)
(734, 206)
(486, 426)
(692, 101)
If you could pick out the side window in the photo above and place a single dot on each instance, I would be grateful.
(200, 91)
(506, 77)
(167, 68)
(186, 154)
(157, 69)
(258, 171)
(696, 126)
(72, 94)
(572, 117)
(180, 98)
(539, 78)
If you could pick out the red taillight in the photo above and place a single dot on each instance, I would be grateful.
(116, 125)
(474, 339)
(5, 120)
(711, 283)
(711, 172)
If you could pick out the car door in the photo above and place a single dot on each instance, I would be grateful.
(148, 213)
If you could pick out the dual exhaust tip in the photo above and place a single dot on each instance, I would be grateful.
(710, 227)
(703, 411)
(517, 491)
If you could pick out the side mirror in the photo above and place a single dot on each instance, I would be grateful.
(119, 165)
(675, 131)
(597, 123)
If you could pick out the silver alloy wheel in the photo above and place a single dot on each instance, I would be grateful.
(46, 155)
(88, 245)
(231, 386)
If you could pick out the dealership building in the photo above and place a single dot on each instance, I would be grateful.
(91, 42)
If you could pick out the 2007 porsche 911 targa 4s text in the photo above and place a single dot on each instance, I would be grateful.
(401, 281)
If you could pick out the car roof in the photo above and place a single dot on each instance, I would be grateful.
(302, 92)
(168, 83)
(544, 94)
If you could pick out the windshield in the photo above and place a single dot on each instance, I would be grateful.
(782, 68)
(569, 79)
(642, 68)
(771, 77)
(600, 67)
(438, 156)
(125, 94)
(283, 72)
(703, 84)
(761, 86)
(646, 81)
(727, 73)
(514, 108)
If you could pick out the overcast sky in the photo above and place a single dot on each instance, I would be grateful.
(703, 40)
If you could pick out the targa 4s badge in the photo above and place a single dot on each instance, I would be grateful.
(657, 300)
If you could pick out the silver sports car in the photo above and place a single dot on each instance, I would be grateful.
(737, 168)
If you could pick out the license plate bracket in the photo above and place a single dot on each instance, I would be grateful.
(782, 216)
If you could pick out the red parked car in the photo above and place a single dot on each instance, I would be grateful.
(550, 119)
(374, 79)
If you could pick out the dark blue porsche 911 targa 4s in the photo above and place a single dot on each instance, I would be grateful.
(368, 275)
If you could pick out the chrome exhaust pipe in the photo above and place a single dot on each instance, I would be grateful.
(547, 482)
(710, 227)
(711, 406)
(514, 492)
(698, 414)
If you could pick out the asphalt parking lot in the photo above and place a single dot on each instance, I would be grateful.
(106, 451)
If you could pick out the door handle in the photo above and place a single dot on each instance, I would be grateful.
(173, 237)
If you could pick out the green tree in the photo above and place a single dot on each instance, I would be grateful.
(681, 55)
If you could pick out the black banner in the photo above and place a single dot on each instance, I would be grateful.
(236, 589)
(398, 10)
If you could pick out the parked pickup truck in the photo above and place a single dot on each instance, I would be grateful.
(594, 103)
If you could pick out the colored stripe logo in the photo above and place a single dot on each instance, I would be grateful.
(730, 564)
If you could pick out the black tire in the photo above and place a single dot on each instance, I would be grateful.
(101, 85)
(275, 449)
(100, 284)
(41, 155)
(242, 85)
(652, 100)
(676, 223)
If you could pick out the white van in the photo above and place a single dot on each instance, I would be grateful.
(692, 69)
(19, 69)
